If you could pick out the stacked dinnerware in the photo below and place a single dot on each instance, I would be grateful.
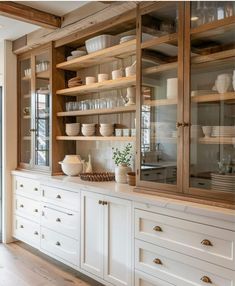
(75, 81)
(223, 131)
(222, 182)
(72, 129)
(106, 129)
(88, 129)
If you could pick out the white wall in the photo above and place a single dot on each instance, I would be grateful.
(9, 134)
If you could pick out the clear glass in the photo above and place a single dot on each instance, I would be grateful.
(25, 111)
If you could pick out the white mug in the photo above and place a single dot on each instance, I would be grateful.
(102, 77)
(90, 79)
(117, 74)
(222, 86)
(172, 88)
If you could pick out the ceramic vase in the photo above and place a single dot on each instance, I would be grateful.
(121, 173)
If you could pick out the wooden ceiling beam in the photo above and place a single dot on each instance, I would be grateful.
(30, 15)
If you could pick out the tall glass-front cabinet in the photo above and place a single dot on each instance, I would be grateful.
(34, 85)
(186, 100)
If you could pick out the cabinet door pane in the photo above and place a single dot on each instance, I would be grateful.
(42, 110)
(212, 152)
(25, 111)
(159, 97)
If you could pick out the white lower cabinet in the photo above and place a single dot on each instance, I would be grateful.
(106, 237)
(143, 279)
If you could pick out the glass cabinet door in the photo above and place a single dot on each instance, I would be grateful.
(25, 111)
(212, 93)
(160, 92)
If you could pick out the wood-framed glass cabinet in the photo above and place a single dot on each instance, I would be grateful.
(34, 112)
(186, 100)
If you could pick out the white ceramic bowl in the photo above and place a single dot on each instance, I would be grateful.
(106, 132)
(72, 129)
(106, 125)
(207, 130)
(100, 42)
(103, 77)
(88, 132)
(71, 169)
(72, 159)
(78, 53)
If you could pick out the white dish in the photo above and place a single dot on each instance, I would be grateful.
(78, 53)
(72, 129)
(71, 169)
(100, 42)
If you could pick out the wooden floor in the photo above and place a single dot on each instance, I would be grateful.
(19, 266)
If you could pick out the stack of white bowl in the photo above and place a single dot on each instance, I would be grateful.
(72, 165)
(88, 129)
(106, 129)
(234, 80)
(72, 129)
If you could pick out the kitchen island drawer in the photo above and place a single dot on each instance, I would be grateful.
(27, 208)
(179, 269)
(143, 279)
(208, 243)
(61, 197)
(27, 231)
(60, 246)
(60, 220)
(27, 187)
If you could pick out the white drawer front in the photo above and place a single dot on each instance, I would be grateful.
(60, 220)
(28, 188)
(26, 231)
(143, 279)
(179, 269)
(28, 208)
(60, 245)
(60, 197)
(187, 237)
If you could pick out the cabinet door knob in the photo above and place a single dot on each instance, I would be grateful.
(58, 243)
(206, 279)
(21, 226)
(100, 202)
(157, 228)
(185, 124)
(35, 233)
(36, 210)
(58, 219)
(35, 189)
(157, 261)
(206, 242)
(104, 203)
(58, 197)
(21, 185)
(21, 206)
(178, 124)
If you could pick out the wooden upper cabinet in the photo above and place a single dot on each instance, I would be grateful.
(186, 105)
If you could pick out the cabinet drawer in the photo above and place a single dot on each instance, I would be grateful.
(60, 197)
(60, 220)
(28, 208)
(179, 269)
(143, 279)
(28, 188)
(60, 245)
(187, 237)
(26, 231)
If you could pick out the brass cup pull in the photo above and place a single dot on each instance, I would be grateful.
(100, 202)
(206, 279)
(157, 228)
(206, 242)
(157, 261)
(58, 219)
(35, 233)
(58, 243)
(58, 197)
(104, 203)
(21, 206)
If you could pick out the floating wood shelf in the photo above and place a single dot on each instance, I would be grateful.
(216, 140)
(95, 138)
(170, 39)
(160, 102)
(160, 68)
(99, 86)
(103, 56)
(43, 75)
(227, 54)
(214, 97)
(131, 108)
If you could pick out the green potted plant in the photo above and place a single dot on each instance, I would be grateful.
(122, 159)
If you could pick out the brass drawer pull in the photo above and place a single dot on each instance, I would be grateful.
(58, 219)
(35, 233)
(157, 261)
(100, 202)
(58, 243)
(58, 197)
(206, 279)
(206, 242)
(35, 189)
(21, 206)
(104, 203)
(157, 228)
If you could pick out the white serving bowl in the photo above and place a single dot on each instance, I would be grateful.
(72, 129)
(78, 53)
(71, 169)
(106, 132)
(100, 42)
(106, 125)
(88, 132)
(72, 159)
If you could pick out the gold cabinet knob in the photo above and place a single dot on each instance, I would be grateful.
(206, 242)
(206, 279)
(157, 261)
(157, 228)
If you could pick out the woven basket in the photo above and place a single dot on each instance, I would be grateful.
(98, 177)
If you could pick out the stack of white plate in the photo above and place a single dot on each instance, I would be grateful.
(223, 131)
(106, 129)
(223, 182)
(88, 129)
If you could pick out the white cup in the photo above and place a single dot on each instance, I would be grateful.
(222, 85)
(224, 76)
(207, 131)
(117, 74)
(102, 77)
(130, 71)
(90, 79)
(172, 88)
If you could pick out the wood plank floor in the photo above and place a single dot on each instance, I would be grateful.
(21, 266)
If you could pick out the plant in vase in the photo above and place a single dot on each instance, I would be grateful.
(122, 159)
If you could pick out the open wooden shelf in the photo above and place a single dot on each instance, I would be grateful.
(170, 39)
(103, 56)
(214, 97)
(160, 68)
(27, 117)
(43, 74)
(227, 54)
(159, 102)
(216, 140)
(99, 86)
(95, 138)
(123, 109)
